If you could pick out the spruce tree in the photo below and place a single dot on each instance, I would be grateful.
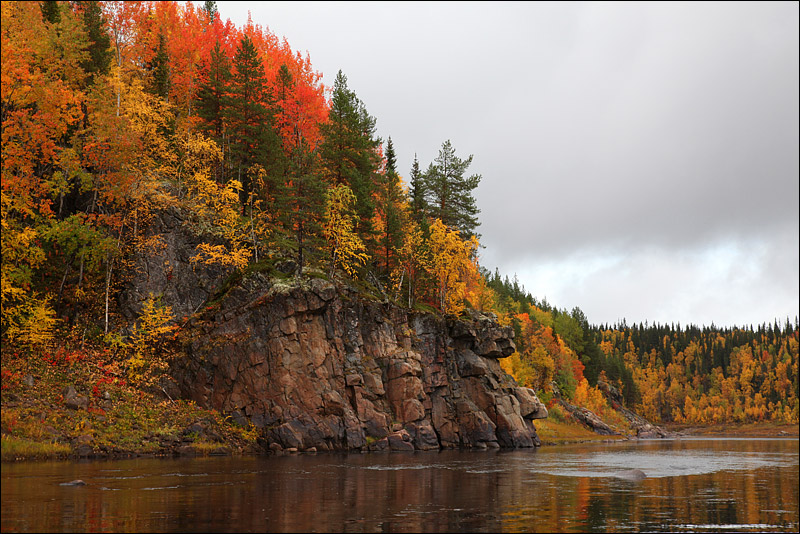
(51, 12)
(300, 195)
(211, 95)
(448, 192)
(417, 192)
(100, 53)
(252, 137)
(389, 199)
(159, 66)
(210, 9)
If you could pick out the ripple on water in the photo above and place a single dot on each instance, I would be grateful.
(733, 527)
(661, 464)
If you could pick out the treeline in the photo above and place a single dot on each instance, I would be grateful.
(668, 373)
(112, 111)
(709, 375)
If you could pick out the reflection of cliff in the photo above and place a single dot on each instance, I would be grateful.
(314, 365)
(448, 491)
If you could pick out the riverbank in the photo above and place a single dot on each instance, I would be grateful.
(77, 404)
(739, 430)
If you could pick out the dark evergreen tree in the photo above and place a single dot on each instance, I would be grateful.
(211, 95)
(253, 140)
(300, 194)
(389, 198)
(391, 157)
(51, 12)
(100, 53)
(211, 9)
(159, 66)
(449, 193)
(349, 153)
(416, 192)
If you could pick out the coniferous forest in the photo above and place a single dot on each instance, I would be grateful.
(114, 111)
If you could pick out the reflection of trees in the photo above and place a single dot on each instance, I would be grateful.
(423, 492)
(603, 504)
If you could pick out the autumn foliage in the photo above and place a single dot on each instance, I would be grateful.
(114, 111)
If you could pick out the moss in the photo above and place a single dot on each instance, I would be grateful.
(425, 308)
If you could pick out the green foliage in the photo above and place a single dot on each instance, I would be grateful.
(416, 192)
(349, 151)
(448, 193)
(556, 413)
(566, 382)
(160, 83)
(100, 53)
(211, 96)
(51, 12)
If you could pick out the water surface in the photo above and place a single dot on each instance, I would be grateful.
(692, 485)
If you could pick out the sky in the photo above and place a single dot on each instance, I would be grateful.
(638, 160)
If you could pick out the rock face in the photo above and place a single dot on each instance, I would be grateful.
(313, 365)
(164, 269)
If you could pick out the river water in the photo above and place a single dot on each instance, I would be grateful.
(692, 485)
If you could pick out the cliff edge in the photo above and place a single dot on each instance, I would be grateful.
(317, 366)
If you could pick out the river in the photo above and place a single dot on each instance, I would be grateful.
(692, 485)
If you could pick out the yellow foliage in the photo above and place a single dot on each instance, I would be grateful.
(347, 249)
(144, 364)
(220, 255)
(413, 262)
(216, 208)
(451, 261)
(27, 318)
(30, 323)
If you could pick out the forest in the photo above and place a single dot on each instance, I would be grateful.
(113, 111)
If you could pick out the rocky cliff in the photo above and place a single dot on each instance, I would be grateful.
(316, 365)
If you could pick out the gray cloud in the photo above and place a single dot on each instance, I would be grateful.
(648, 152)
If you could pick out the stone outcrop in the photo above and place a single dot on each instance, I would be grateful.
(164, 269)
(315, 366)
(644, 429)
(588, 418)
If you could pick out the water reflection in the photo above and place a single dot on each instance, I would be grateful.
(692, 485)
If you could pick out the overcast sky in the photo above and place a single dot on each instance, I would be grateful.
(639, 161)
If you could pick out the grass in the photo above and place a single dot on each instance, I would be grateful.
(559, 429)
(14, 448)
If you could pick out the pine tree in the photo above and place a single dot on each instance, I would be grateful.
(449, 193)
(349, 152)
